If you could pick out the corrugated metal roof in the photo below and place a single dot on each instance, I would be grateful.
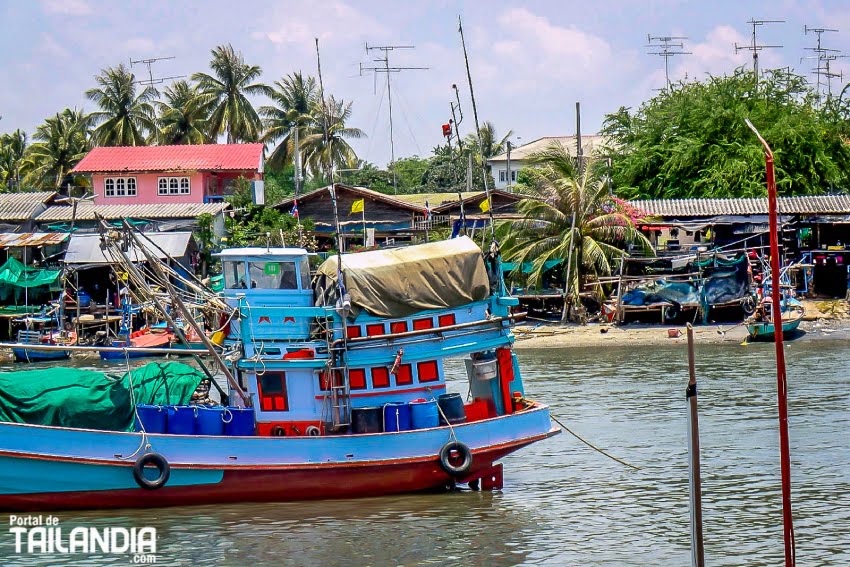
(86, 211)
(810, 204)
(16, 240)
(202, 157)
(589, 143)
(358, 191)
(85, 248)
(22, 206)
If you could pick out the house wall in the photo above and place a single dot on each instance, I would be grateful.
(500, 172)
(320, 208)
(203, 185)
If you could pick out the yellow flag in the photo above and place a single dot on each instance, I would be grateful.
(485, 205)
(357, 206)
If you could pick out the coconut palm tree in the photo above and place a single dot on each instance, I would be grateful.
(490, 146)
(587, 248)
(295, 102)
(184, 115)
(126, 117)
(229, 87)
(322, 157)
(12, 149)
(60, 143)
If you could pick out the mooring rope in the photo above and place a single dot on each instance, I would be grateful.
(144, 441)
(591, 445)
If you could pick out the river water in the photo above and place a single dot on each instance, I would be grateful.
(565, 504)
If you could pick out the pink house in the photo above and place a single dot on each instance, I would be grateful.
(139, 175)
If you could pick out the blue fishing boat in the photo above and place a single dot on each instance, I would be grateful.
(340, 391)
(40, 330)
(761, 325)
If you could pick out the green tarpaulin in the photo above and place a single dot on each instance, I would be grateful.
(217, 283)
(72, 397)
(16, 274)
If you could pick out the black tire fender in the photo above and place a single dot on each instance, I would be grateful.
(278, 431)
(161, 465)
(446, 458)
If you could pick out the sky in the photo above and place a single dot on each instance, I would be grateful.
(530, 61)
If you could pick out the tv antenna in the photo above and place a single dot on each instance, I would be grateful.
(151, 81)
(754, 46)
(823, 55)
(385, 59)
(666, 46)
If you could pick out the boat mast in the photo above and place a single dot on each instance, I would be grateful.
(781, 378)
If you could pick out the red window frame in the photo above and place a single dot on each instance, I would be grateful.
(422, 324)
(446, 320)
(357, 378)
(353, 331)
(428, 371)
(404, 376)
(380, 377)
(272, 389)
(398, 327)
(375, 329)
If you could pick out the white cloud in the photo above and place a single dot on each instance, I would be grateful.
(299, 25)
(716, 55)
(67, 7)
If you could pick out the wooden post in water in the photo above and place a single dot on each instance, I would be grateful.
(695, 483)
(781, 378)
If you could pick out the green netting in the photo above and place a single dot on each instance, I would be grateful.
(72, 397)
(16, 274)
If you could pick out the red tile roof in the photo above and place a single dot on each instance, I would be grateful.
(206, 157)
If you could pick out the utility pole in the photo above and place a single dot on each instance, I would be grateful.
(666, 46)
(822, 55)
(579, 150)
(510, 147)
(151, 81)
(385, 59)
(754, 46)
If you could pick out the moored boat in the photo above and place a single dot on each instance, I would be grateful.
(761, 326)
(340, 391)
(41, 330)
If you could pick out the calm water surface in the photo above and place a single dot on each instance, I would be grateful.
(564, 504)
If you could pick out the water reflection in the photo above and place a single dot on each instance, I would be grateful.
(564, 504)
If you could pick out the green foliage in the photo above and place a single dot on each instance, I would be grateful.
(447, 171)
(691, 140)
(296, 105)
(184, 115)
(125, 118)
(601, 233)
(371, 176)
(261, 226)
(229, 86)
(60, 143)
(12, 150)
(320, 156)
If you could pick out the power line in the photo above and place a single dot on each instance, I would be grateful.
(150, 81)
(754, 45)
(666, 46)
(385, 59)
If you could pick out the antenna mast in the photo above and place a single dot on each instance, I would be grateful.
(666, 46)
(151, 81)
(385, 59)
(823, 55)
(754, 46)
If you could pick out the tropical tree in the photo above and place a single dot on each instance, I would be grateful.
(229, 86)
(184, 115)
(570, 217)
(60, 143)
(126, 117)
(12, 149)
(295, 104)
(491, 145)
(322, 156)
(691, 141)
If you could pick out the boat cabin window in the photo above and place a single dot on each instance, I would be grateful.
(234, 274)
(304, 267)
(273, 275)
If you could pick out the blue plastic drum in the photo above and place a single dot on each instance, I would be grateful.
(154, 418)
(423, 414)
(396, 416)
(181, 420)
(209, 420)
(239, 422)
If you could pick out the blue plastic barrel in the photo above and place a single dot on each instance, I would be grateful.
(423, 414)
(181, 420)
(452, 406)
(396, 416)
(239, 422)
(153, 418)
(209, 420)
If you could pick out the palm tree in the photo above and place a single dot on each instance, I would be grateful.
(295, 101)
(490, 145)
(564, 192)
(184, 115)
(125, 118)
(12, 149)
(228, 88)
(322, 157)
(61, 142)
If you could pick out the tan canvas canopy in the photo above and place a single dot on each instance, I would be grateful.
(402, 281)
